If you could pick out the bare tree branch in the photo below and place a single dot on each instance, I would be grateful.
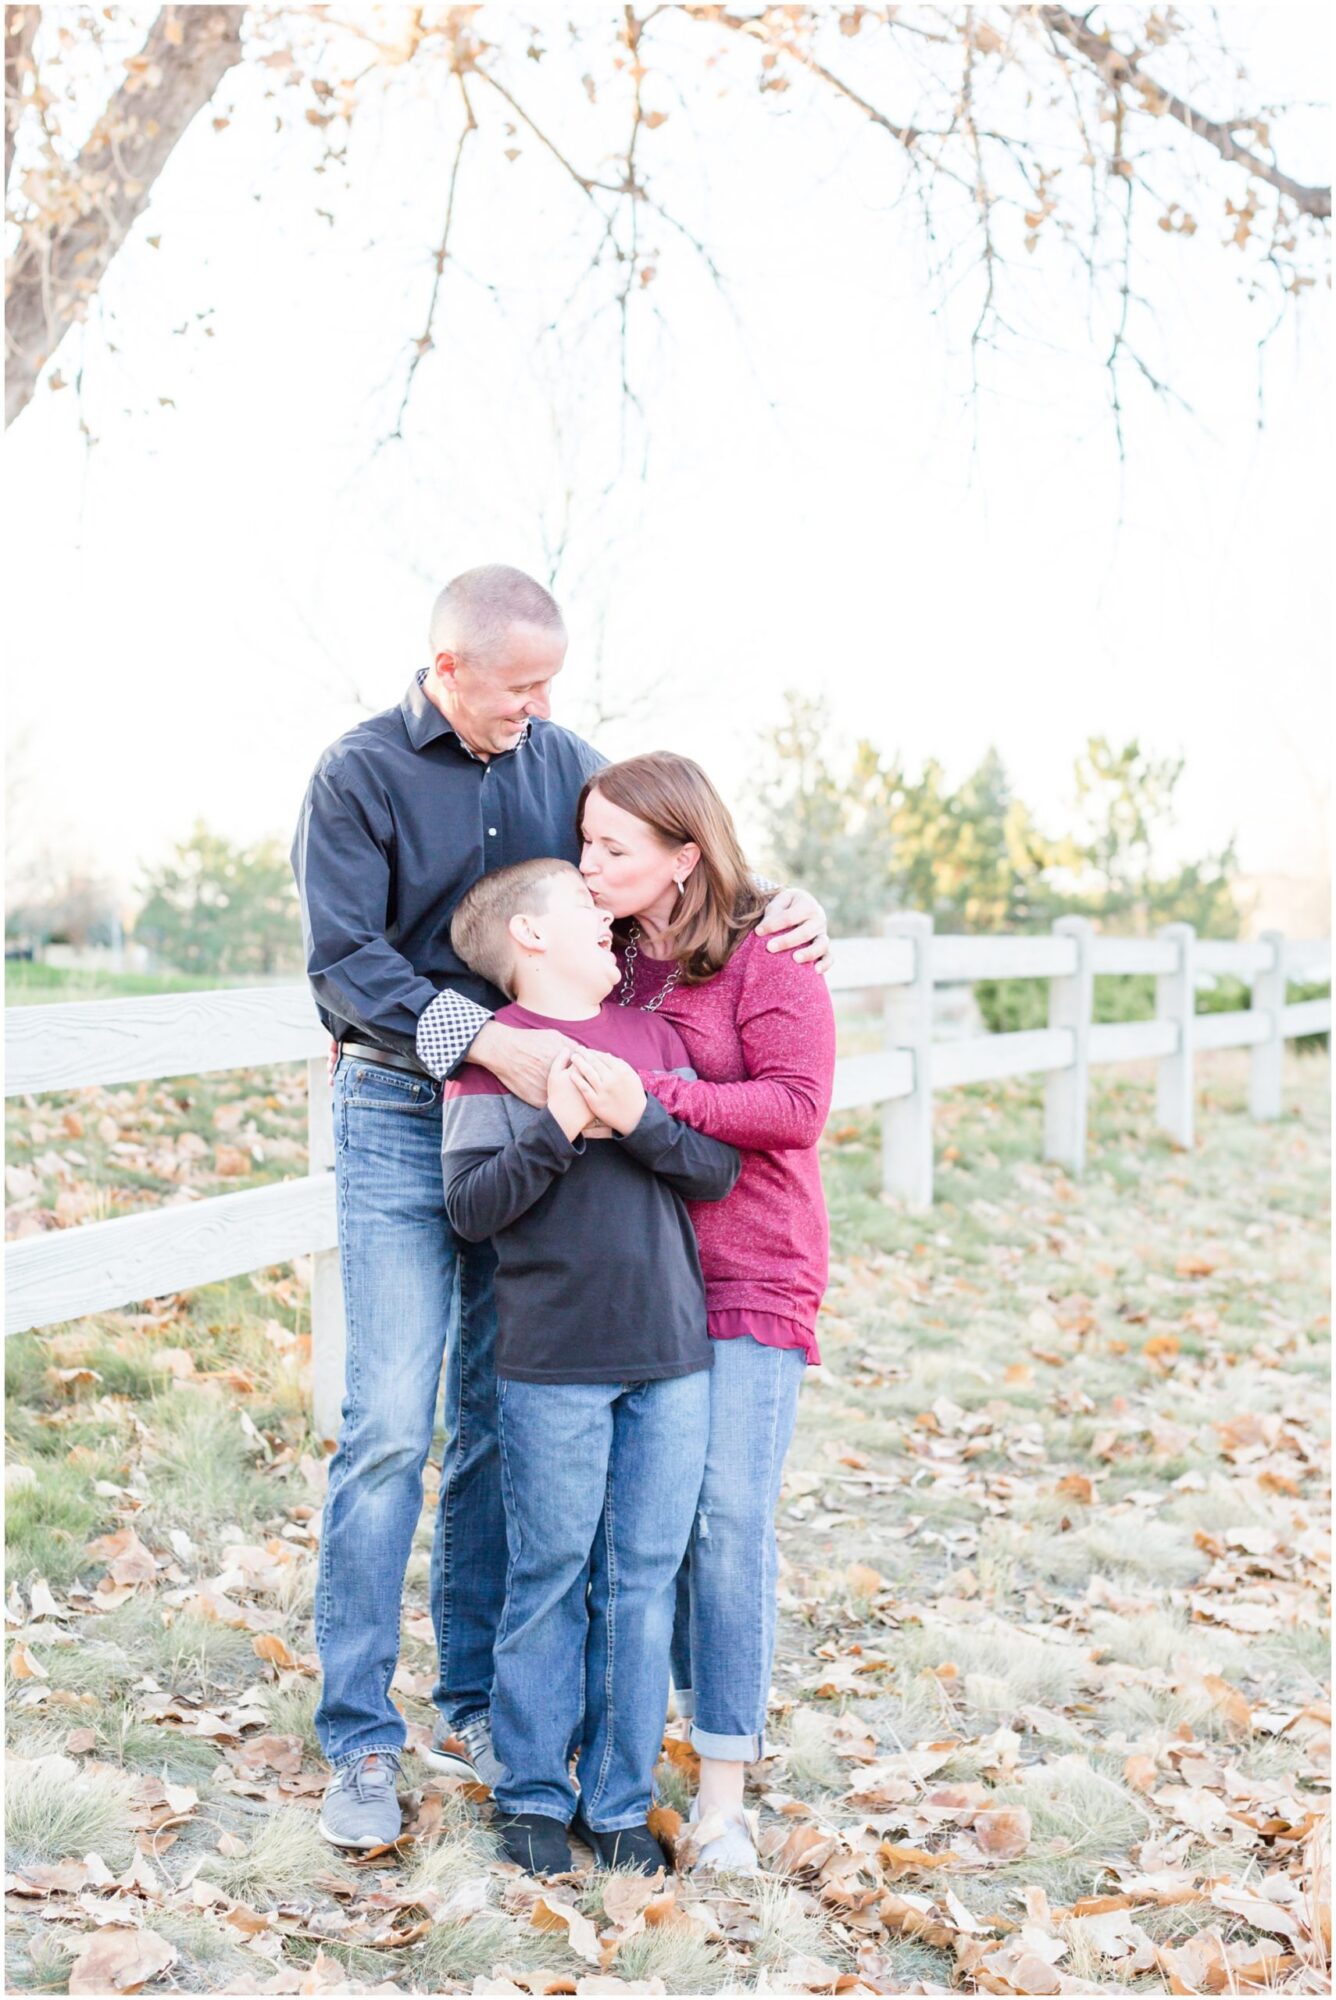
(20, 27)
(62, 257)
(1119, 69)
(425, 341)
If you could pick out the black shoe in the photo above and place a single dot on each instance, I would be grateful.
(536, 1844)
(631, 1847)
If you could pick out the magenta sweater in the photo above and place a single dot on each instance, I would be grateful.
(761, 1037)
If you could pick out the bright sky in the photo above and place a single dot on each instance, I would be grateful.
(198, 603)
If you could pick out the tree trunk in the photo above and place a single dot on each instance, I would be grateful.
(60, 262)
(20, 27)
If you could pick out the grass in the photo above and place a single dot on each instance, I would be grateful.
(51, 1815)
(685, 1964)
(202, 1467)
(811, 1763)
(468, 1948)
(30, 983)
(48, 1522)
(1040, 1635)
(290, 1706)
(284, 1852)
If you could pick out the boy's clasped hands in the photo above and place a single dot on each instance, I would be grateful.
(594, 1094)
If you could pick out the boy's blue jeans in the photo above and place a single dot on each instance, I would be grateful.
(601, 1481)
(413, 1296)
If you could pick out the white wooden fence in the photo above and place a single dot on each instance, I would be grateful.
(68, 1273)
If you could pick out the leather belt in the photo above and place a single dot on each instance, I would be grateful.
(390, 1058)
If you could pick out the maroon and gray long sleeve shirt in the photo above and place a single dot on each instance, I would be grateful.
(598, 1275)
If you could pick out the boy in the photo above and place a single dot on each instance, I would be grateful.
(602, 1360)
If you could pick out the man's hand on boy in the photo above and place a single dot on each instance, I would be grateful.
(610, 1088)
(795, 921)
(519, 1057)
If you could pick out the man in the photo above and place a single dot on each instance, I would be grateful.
(466, 775)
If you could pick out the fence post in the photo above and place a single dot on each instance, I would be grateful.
(328, 1335)
(1071, 1005)
(906, 1122)
(1268, 996)
(1175, 1000)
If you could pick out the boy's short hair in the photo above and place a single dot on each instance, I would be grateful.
(480, 927)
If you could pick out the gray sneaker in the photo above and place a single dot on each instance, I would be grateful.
(465, 1752)
(361, 1807)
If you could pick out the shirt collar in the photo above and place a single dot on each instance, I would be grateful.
(425, 723)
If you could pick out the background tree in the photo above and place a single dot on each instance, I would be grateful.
(1028, 137)
(74, 905)
(868, 838)
(218, 908)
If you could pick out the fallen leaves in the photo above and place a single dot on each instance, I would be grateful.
(120, 1961)
(1003, 1832)
(1016, 1552)
(550, 1914)
(129, 1563)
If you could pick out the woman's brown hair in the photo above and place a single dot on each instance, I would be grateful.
(720, 902)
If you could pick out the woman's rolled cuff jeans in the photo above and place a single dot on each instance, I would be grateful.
(724, 1631)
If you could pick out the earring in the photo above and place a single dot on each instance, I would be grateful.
(680, 887)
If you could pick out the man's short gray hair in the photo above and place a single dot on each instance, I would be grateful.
(476, 609)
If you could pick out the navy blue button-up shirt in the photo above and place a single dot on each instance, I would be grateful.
(399, 818)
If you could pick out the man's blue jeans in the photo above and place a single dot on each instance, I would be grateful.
(413, 1296)
(724, 1634)
(601, 1481)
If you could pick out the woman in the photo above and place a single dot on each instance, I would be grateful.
(660, 852)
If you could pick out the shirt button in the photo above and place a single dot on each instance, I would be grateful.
(492, 830)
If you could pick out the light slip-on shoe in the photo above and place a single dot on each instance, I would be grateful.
(731, 1850)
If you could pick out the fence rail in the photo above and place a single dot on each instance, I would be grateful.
(103, 1265)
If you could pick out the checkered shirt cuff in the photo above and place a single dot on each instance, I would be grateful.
(446, 1029)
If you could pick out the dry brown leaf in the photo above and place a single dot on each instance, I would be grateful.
(244, 1919)
(804, 1974)
(69, 1381)
(154, 1804)
(681, 1756)
(120, 1961)
(40, 1601)
(666, 1826)
(268, 1646)
(1116, 1936)
(1257, 1911)
(55, 1878)
(911, 1860)
(915, 1916)
(1140, 1772)
(550, 1914)
(1231, 1702)
(1003, 1832)
(129, 1562)
(178, 1362)
(864, 1581)
(799, 1851)
(24, 1663)
(625, 1896)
